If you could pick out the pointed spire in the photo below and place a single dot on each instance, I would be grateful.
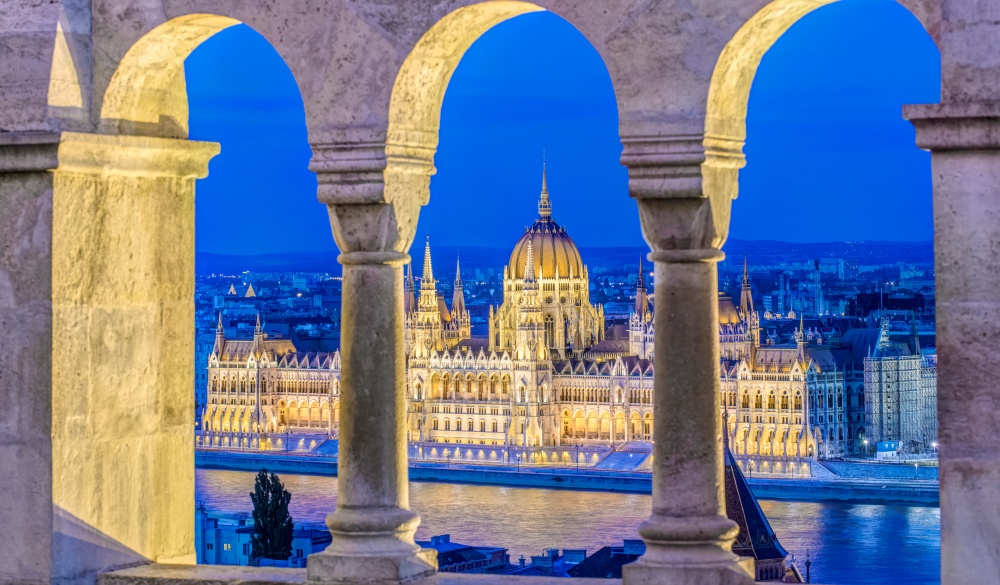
(458, 297)
(218, 328)
(427, 278)
(746, 293)
(544, 204)
(641, 301)
(529, 265)
(256, 329)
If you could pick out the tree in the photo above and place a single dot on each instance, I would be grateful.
(272, 524)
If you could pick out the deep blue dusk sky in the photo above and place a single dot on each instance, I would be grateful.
(829, 156)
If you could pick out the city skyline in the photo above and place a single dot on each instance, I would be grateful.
(554, 93)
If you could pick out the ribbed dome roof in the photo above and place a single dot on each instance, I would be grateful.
(552, 248)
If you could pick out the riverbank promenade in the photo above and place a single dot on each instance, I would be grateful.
(821, 481)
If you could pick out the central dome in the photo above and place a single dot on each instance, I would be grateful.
(552, 248)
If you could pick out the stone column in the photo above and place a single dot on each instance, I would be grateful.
(964, 139)
(688, 536)
(96, 313)
(373, 527)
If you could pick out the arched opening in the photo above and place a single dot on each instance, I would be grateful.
(135, 192)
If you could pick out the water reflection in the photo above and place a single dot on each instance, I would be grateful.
(858, 544)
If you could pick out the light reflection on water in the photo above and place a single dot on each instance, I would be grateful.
(855, 544)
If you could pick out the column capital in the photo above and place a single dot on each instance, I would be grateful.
(684, 185)
(951, 127)
(373, 191)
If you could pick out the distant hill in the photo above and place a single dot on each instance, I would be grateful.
(770, 251)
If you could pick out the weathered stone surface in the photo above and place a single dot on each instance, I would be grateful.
(96, 259)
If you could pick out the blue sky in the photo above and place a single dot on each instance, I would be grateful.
(829, 156)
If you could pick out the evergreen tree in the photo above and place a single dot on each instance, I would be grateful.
(272, 524)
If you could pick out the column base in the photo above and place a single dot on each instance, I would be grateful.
(374, 546)
(693, 550)
(739, 572)
(331, 567)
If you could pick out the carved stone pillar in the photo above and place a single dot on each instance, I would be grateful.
(96, 314)
(373, 526)
(688, 536)
(964, 140)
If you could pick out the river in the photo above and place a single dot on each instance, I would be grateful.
(850, 544)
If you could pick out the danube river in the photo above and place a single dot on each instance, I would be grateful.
(852, 544)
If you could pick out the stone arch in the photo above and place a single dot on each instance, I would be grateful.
(415, 104)
(733, 75)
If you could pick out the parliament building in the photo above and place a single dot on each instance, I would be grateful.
(545, 378)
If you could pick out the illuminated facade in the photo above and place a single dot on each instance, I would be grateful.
(265, 385)
(901, 393)
(542, 377)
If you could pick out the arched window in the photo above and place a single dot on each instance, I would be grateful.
(447, 425)
(482, 426)
(745, 403)
(798, 402)
(840, 399)
(505, 386)
(472, 425)
(494, 426)
(829, 400)
(770, 401)
(758, 401)
(458, 425)
(784, 401)
(550, 331)
(434, 424)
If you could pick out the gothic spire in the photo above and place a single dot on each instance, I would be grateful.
(641, 301)
(218, 328)
(544, 204)
(802, 337)
(746, 294)
(427, 278)
(529, 265)
(458, 297)
(256, 328)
